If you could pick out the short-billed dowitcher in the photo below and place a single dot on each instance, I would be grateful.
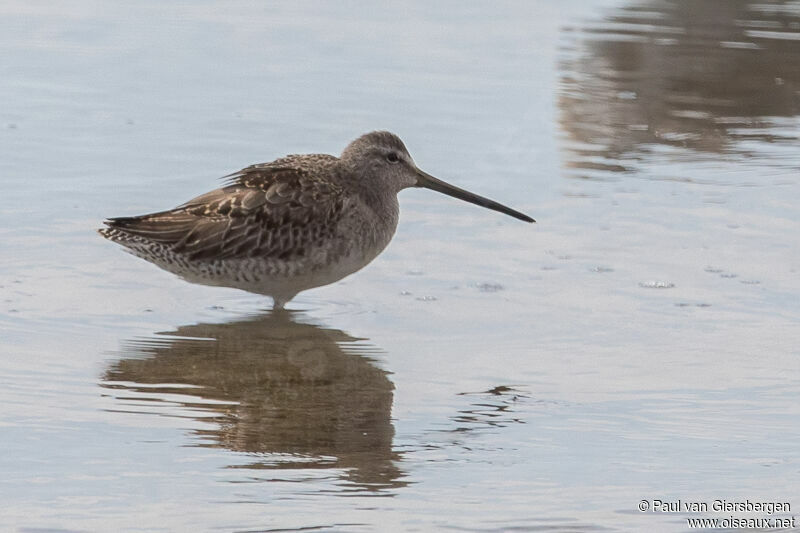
(299, 222)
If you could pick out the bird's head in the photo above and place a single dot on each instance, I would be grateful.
(380, 159)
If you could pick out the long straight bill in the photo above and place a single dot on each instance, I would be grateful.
(429, 182)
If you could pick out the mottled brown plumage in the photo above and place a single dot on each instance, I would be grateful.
(267, 210)
(278, 228)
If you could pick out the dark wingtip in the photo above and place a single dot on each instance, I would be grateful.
(118, 222)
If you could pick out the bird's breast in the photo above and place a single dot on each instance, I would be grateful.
(358, 238)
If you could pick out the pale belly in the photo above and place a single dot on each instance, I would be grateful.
(280, 279)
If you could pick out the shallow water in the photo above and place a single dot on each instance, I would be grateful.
(640, 342)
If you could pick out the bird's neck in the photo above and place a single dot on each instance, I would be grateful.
(382, 200)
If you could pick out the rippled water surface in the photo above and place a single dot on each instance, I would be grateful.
(640, 342)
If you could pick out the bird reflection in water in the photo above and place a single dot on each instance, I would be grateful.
(711, 77)
(294, 395)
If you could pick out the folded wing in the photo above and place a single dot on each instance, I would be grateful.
(270, 210)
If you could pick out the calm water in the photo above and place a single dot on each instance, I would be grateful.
(641, 342)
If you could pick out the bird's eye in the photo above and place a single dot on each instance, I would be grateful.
(392, 157)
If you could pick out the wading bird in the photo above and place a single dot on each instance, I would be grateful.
(299, 222)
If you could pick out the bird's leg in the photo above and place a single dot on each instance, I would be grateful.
(279, 300)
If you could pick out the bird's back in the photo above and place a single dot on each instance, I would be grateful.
(267, 210)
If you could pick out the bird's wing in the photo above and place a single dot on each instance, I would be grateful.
(268, 210)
